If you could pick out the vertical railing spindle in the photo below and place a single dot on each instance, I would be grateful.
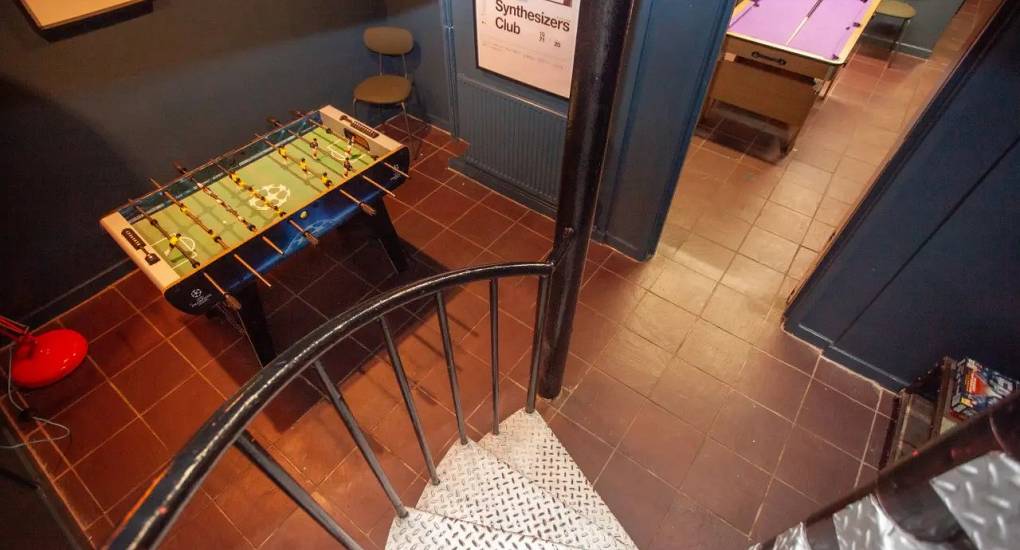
(405, 391)
(536, 342)
(360, 440)
(261, 458)
(444, 327)
(494, 326)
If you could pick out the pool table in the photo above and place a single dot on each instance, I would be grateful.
(779, 54)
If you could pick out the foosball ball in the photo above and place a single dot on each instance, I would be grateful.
(207, 238)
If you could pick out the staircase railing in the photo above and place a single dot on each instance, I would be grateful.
(903, 499)
(227, 427)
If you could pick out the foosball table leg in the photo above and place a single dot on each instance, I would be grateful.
(387, 235)
(253, 320)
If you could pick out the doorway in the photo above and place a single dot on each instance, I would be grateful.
(760, 218)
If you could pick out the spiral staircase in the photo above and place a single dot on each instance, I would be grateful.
(516, 489)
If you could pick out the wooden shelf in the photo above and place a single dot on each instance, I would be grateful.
(54, 13)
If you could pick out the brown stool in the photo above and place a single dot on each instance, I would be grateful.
(897, 10)
(386, 89)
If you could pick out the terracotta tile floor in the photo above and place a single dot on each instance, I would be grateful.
(701, 423)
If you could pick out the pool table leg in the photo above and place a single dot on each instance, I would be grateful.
(787, 145)
(253, 320)
(387, 235)
(831, 82)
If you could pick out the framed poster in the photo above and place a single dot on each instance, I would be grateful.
(530, 41)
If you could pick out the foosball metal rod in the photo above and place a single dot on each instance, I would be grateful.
(250, 189)
(253, 271)
(395, 169)
(311, 238)
(333, 154)
(186, 174)
(314, 146)
(232, 302)
(282, 151)
(251, 227)
(205, 189)
(191, 215)
(325, 180)
(328, 130)
(308, 118)
(272, 245)
(174, 240)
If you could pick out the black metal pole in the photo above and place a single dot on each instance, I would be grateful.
(601, 39)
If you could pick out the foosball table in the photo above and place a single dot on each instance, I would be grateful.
(210, 236)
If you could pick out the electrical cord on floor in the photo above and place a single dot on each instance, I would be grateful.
(26, 413)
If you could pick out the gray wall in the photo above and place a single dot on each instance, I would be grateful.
(924, 30)
(87, 119)
(929, 265)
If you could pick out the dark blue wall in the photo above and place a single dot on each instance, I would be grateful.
(671, 53)
(87, 119)
(674, 48)
(427, 62)
(929, 264)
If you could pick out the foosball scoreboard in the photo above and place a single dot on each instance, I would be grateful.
(211, 235)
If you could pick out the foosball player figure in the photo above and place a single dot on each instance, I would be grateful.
(325, 180)
(315, 148)
(283, 152)
(304, 166)
(237, 179)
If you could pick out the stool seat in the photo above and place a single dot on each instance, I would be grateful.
(384, 89)
(387, 89)
(897, 9)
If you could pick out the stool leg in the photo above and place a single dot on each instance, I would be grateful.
(354, 108)
(407, 126)
(896, 43)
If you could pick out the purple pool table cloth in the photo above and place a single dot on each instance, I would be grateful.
(824, 35)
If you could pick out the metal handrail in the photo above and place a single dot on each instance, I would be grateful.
(153, 516)
(904, 491)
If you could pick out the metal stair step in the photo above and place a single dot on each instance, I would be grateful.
(529, 446)
(476, 487)
(422, 530)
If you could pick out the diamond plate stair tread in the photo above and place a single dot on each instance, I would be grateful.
(424, 531)
(528, 445)
(865, 525)
(984, 496)
(476, 487)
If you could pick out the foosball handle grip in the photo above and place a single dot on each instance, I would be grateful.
(232, 303)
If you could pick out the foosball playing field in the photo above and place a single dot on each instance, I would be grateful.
(233, 218)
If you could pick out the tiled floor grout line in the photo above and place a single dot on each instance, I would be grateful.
(867, 446)
(138, 415)
(617, 450)
(782, 451)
